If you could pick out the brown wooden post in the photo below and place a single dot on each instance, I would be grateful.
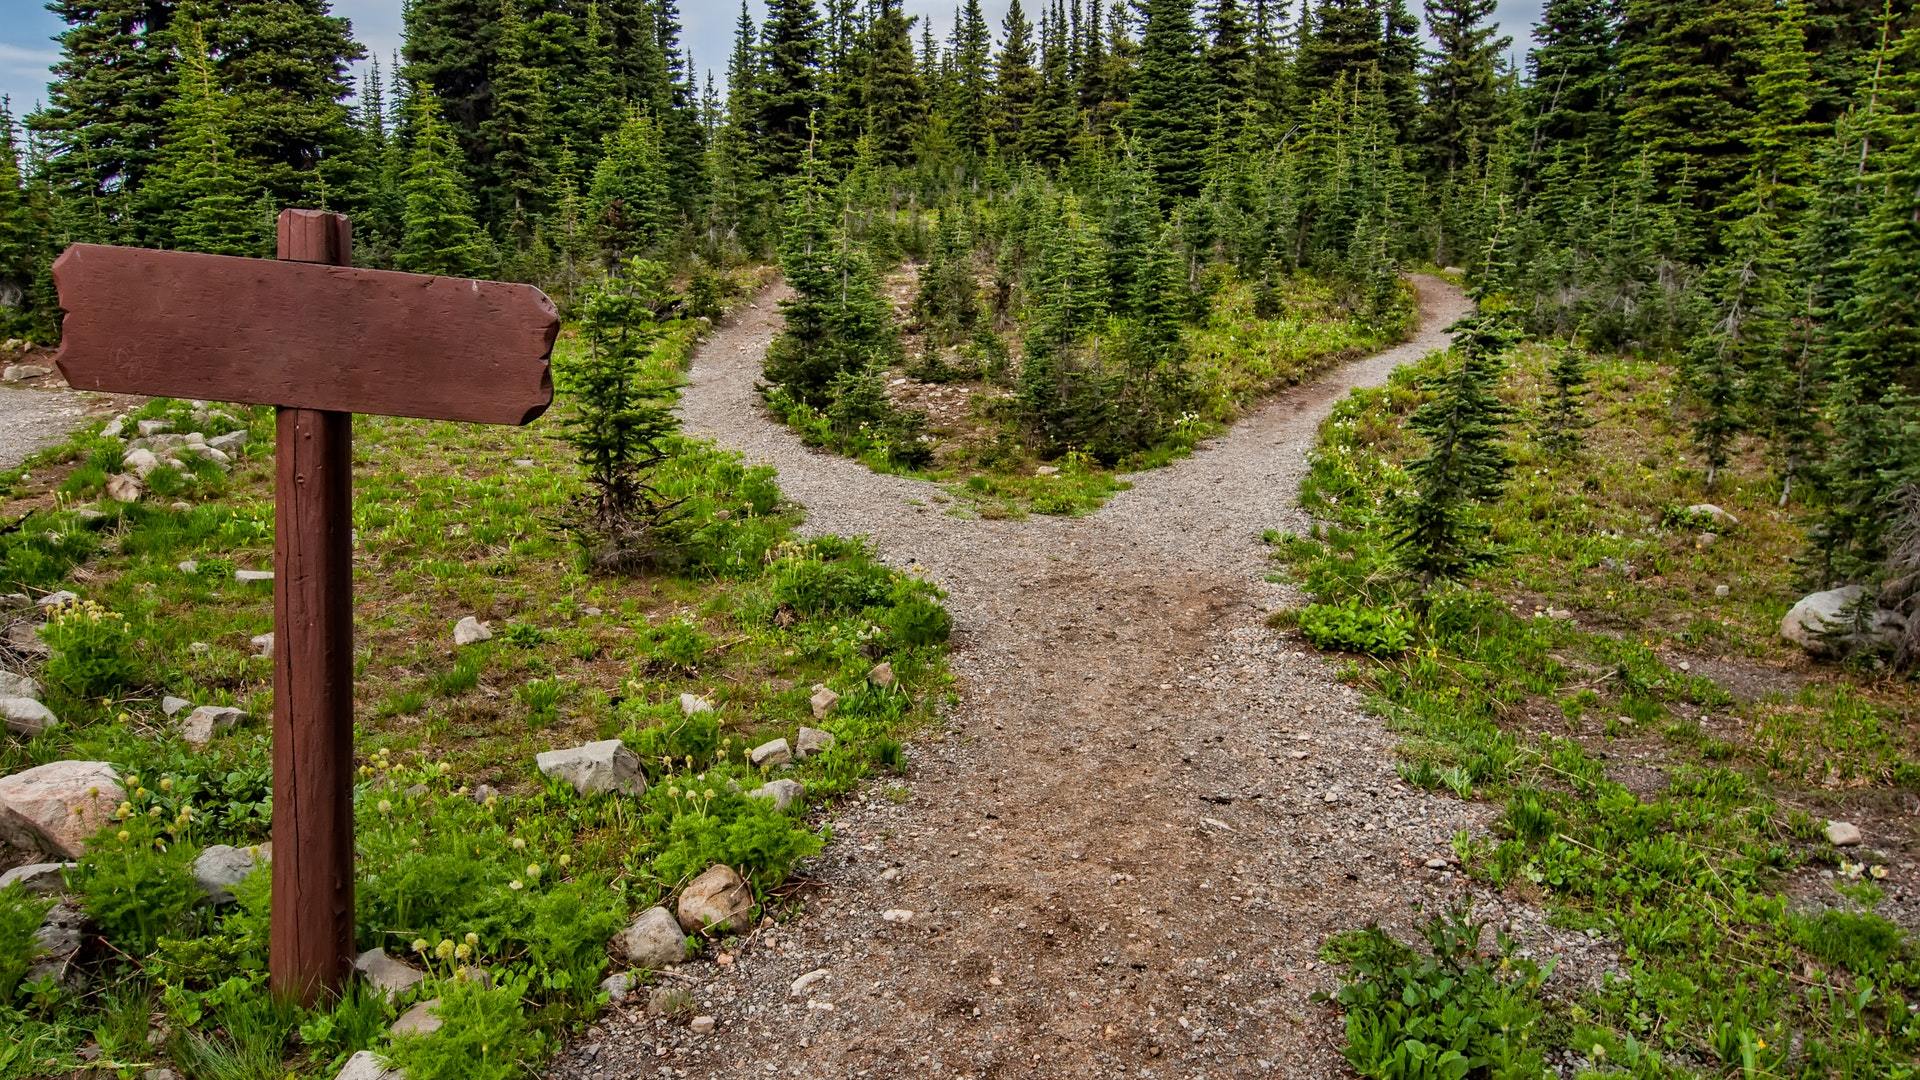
(311, 948)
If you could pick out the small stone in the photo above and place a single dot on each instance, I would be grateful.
(386, 974)
(262, 644)
(881, 675)
(700, 1025)
(115, 427)
(217, 869)
(1712, 513)
(419, 1020)
(23, 639)
(1843, 834)
(56, 599)
(784, 793)
(40, 879)
(810, 741)
(203, 723)
(694, 703)
(55, 807)
(23, 372)
(250, 577)
(1436, 863)
(58, 941)
(18, 686)
(148, 428)
(523, 463)
(159, 1074)
(483, 792)
(669, 1001)
(595, 767)
(26, 717)
(90, 517)
(229, 443)
(125, 488)
(365, 1065)
(823, 701)
(1722, 591)
(719, 899)
(618, 987)
(470, 631)
(897, 915)
(171, 705)
(771, 753)
(655, 940)
(806, 982)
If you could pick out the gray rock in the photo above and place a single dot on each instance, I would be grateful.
(694, 703)
(810, 741)
(219, 868)
(149, 428)
(1713, 513)
(262, 644)
(700, 1025)
(1722, 591)
(12, 685)
(55, 807)
(595, 767)
(882, 675)
(56, 599)
(655, 940)
(250, 577)
(364, 1065)
(823, 701)
(207, 721)
(187, 566)
(172, 705)
(23, 372)
(784, 793)
(470, 631)
(771, 753)
(41, 878)
(58, 943)
(140, 461)
(14, 601)
(419, 1020)
(1843, 834)
(483, 792)
(23, 639)
(619, 986)
(229, 443)
(26, 717)
(1823, 624)
(159, 1074)
(125, 488)
(91, 518)
(385, 974)
(115, 427)
(719, 899)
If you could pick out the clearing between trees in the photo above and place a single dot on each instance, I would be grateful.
(1147, 814)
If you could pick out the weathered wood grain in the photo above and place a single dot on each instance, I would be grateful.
(311, 943)
(303, 334)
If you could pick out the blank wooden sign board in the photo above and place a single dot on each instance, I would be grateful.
(320, 341)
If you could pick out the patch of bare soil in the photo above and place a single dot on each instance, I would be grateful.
(1147, 812)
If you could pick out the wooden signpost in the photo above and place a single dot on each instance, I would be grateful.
(320, 341)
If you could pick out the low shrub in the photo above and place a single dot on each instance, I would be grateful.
(1351, 626)
(20, 915)
(92, 650)
(136, 882)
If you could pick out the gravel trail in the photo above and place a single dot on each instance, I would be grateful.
(32, 419)
(1146, 813)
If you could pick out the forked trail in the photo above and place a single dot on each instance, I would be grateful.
(1145, 817)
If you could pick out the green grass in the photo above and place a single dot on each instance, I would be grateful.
(1732, 959)
(451, 520)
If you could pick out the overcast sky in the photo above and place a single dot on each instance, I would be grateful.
(27, 30)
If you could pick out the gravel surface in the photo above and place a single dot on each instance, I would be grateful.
(32, 419)
(1146, 814)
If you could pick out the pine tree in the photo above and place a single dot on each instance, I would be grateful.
(198, 189)
(516, 132)
(1401, 55)
(1440, 535)
(896, 106)
(1230, 55)
(1564, 416)
(1461, 84)
(1169, 117)
(788, 87)
(1567, 106)
(969, 89)
(1048, 132)
(441, 236)
(1016, 84)
(105, 114)
(21, 234)
(1343, 37)
(630, 200)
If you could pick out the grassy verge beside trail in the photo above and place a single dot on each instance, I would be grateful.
(1678, 817)
(528, 882)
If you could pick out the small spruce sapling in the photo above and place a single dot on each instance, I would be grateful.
(622, 428)
(1565, 414)
(1440, 537)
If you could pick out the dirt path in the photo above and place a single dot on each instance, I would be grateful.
(31, 419)
(1146, 815)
